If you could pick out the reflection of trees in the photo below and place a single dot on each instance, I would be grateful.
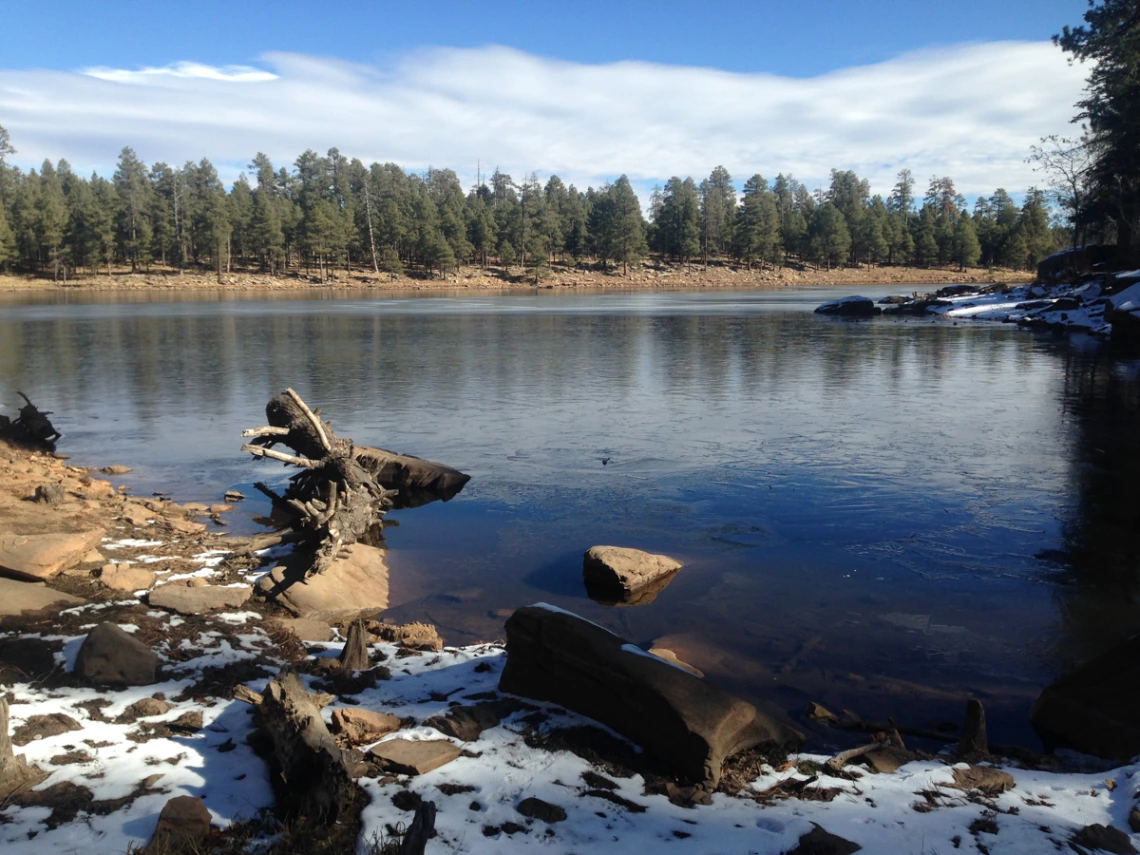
(1100, 600)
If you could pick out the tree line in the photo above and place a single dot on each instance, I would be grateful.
(328, 212)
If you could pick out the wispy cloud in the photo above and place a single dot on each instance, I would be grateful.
(970, 112)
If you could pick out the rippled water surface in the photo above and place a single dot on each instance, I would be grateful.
(885, 516)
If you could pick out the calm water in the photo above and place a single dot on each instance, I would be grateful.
(860, 506)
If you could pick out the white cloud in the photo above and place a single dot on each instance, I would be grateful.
(970, 112)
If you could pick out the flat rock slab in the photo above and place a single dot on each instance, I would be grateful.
(35, 557)
(987, 779)
(308, 630)
(413, 757)
(617, 573)
(17, 598)
(688, 724)
(466, 723)
(110, 657)
(362, 726)
(351, 587)
(203, 598)
(124, 577)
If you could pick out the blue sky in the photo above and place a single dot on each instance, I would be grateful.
(586, 89)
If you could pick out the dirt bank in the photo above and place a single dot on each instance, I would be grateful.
(516, 278)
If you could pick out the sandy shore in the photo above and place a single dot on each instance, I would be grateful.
(493, 279)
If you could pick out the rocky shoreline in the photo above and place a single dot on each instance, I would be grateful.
(495, 279)
(134, 644)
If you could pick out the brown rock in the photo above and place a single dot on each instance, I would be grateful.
(538, 809)
(124, 577)
(181, 525)
(50, 494)
(1104, 838)
(42, 726)
(110, 657)
(137, 514)
(145, 708)
(821, 842)
(616, 573)
(17, 598)
(987, 779)
(888, 758)
(184, 822)
(408, 757)
(193, 601)
(96, 488)
(362, 726)
(356, 586)
(220, 509)
(687, 723)
(466, 723)
(115, 470)
(414, 636)
(1134, 819)
(1094, 708)
(671, 657)
(308, 630)
(36, 557)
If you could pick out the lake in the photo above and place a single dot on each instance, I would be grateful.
(886, 516)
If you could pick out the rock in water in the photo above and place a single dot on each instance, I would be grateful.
(686, 723)
(857, 307)
(618, 574)
(1094, 708)
(110, 657)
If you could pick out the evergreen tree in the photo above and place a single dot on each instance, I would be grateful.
(967, 250)
(830, 239)
(757, 225)
(133, 188)
(718, 213)
(1110, 40)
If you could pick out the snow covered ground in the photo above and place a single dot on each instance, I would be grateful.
(913, 810)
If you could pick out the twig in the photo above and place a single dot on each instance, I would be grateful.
(259, 451)
(312, 417)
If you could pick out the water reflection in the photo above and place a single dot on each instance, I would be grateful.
(858, 505)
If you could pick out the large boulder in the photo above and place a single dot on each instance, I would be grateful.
(35, 557)
(110, 657)
(351, 587)
(1094, 708)
(618, 574)
(688, 724)
(852, 307)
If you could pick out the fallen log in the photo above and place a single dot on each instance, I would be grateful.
(342, 491)
(31, 426)
(316, 773)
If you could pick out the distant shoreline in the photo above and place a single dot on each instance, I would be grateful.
(490, 280)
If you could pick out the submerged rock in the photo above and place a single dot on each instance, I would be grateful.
(689, 725)
(855, 306)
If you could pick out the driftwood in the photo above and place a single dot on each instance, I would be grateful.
(421, 829)
(343, 490)
(315, 772)
(31, 426)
